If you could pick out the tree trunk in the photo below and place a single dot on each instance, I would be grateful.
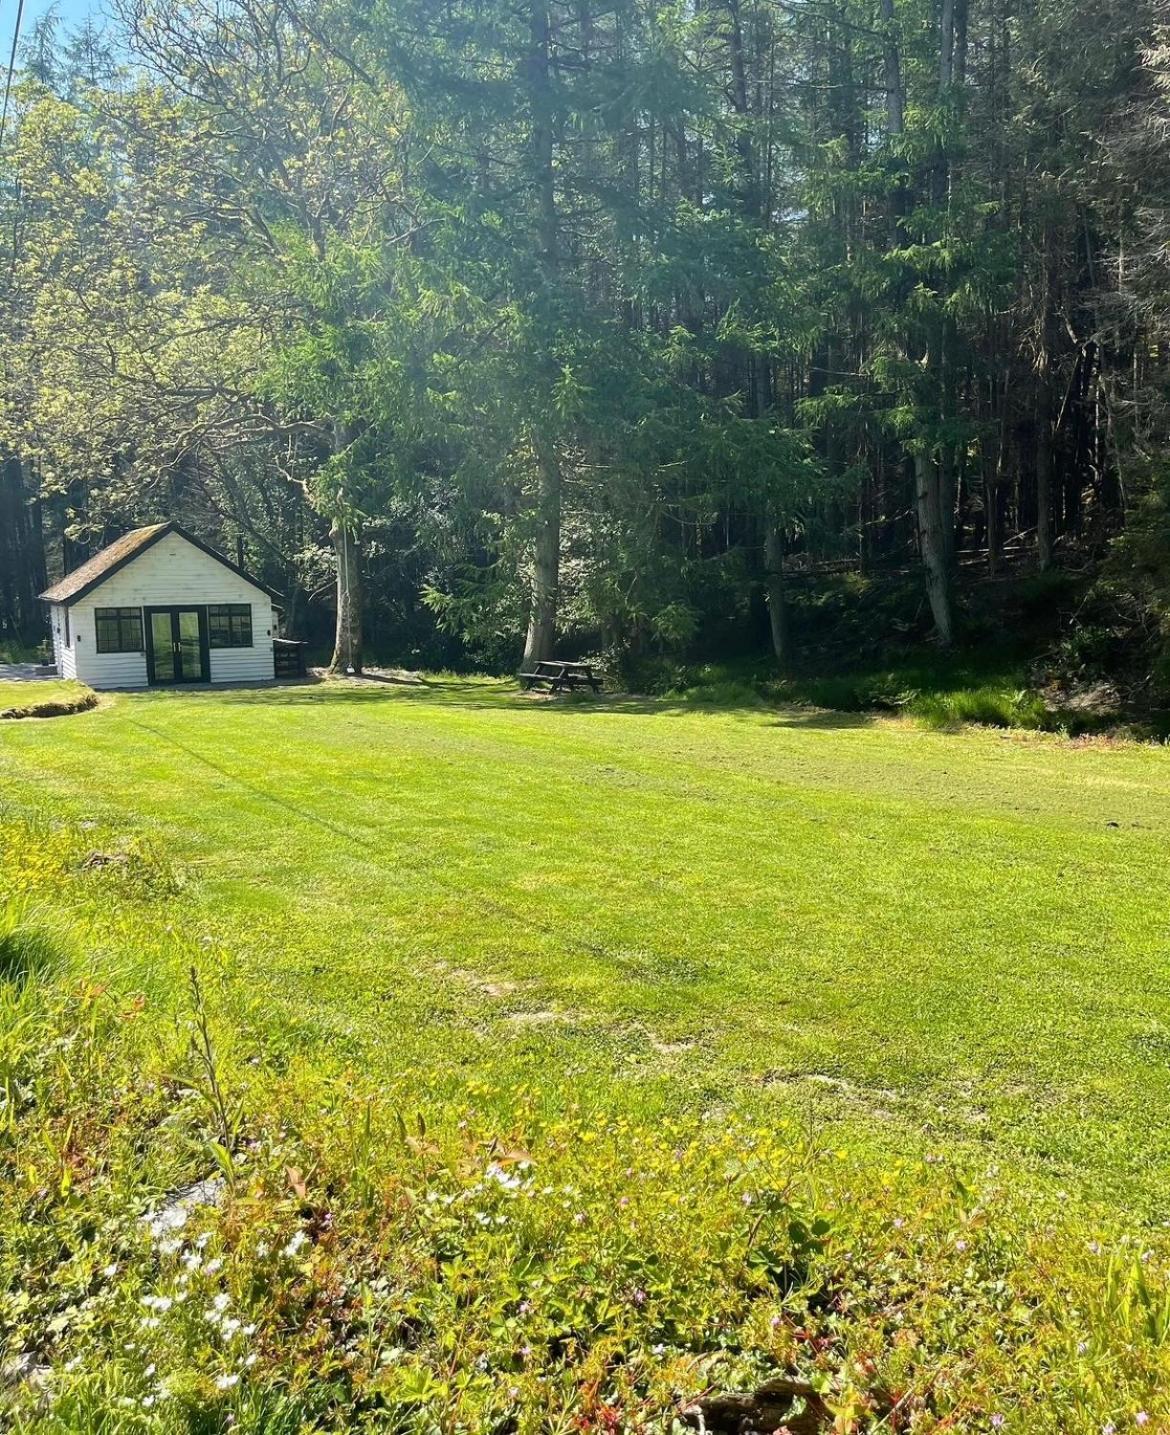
(992, 516)
(1045, 407)
(946, 49)
(347, 648)
(546, 559)
(346, 540)
(1044, 476)
(933, 546)
(948, 494)
(542, 619)
(777, 600)
(895, 98)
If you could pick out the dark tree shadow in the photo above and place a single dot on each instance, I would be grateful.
(500, 696)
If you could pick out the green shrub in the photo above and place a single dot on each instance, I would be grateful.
(990, 706)
(720, 692)
(494, 1261)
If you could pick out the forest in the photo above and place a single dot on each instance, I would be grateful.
(489, 328)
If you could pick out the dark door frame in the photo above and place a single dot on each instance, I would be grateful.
(174, 609)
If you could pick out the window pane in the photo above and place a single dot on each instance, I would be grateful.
(229, 625)
(218, 634)
(119, 630)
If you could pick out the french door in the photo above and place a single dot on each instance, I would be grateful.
(176, 646)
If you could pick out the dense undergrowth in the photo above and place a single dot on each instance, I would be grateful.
(204, 1226)
(938, 691)
(1028, 659)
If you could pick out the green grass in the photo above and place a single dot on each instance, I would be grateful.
(708, 946)
(53, 697)
(951, 940)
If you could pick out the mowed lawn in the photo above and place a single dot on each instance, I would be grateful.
(913, 940)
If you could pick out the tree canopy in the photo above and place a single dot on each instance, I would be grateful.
(513, 324)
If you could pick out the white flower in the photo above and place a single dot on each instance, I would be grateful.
(225, 1382)
(192, 1261)
(222, 1301)
(212, 1266)
(295, 1243)
(503, 1178)
(111, 1270)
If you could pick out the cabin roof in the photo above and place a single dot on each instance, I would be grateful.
(126, 549)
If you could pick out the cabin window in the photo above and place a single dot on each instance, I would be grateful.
(229, 625)
(119, 630)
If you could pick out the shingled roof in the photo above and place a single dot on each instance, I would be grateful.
(131, 545)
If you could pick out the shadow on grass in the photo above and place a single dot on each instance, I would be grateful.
(503, 696)
(823, 719)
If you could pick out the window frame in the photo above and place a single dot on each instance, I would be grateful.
(236, 622)
(121, 615)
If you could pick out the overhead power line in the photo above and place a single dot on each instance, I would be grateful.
(11, 68)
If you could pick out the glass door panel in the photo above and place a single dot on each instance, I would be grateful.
(162, 644)
(190, 647)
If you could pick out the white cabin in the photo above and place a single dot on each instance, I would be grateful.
(159, 607)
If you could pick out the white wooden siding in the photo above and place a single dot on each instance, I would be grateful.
(171, 573)
(64, 654)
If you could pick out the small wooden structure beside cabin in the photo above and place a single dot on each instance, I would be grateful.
(159, 607)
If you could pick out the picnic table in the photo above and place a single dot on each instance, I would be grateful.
(559, 676)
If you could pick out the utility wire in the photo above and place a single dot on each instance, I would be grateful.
(11, 67)
(367, 842)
